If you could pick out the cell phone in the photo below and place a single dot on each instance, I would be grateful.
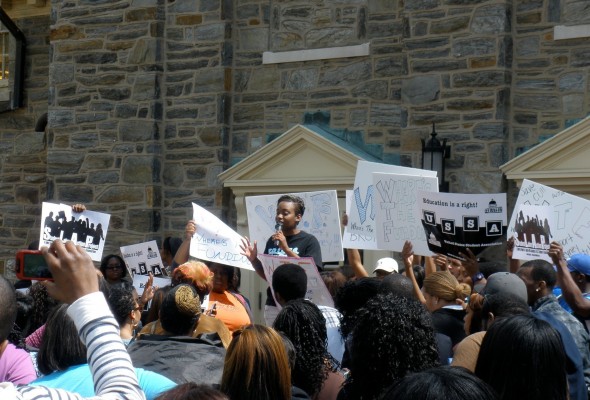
(31, 265)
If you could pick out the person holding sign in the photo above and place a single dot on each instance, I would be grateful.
(287, 241)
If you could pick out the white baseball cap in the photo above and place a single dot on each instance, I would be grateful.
(386, 264)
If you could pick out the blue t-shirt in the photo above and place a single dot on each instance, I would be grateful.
(78, 379)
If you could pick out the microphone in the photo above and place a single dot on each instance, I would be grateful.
(278, 227)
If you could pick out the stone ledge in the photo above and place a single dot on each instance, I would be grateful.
(562, 32)
(326, 53)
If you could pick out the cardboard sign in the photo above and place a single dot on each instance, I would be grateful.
(317, 291)
(532, 233)
(454, 222)
(139, 282)
(360, 232)
(87, 229)
(321, 219)
(397, 218)
(143, 258)
(215, 241)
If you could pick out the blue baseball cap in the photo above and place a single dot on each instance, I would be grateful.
(579, 263)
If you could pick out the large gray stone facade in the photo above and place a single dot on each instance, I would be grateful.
(149, 100)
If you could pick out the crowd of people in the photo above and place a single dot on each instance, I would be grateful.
(426, 328)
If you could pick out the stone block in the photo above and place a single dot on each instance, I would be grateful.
(27, 194)
(144, 220)
(103, 177)
(137, 131)
(390, 66)
(420, 89)
(61, 73)
(115, 94)
(494, 18)
(121, 195)
(376, 90)
(540, 102)
(580, 57)
(211, 32)
(282, 41)
(145, 51)
(525, 118)
(470, 105)
(449, 25)
(85, 140)
(181, 112)
(125, 110)
(480, 79)
(387, 114)
(266, 79)
(572, 82)
(425, 66)
(302, 79)
(474, 47)
(173, 174)
(529, 46)
(96, 58)
(98, 161)
(64, 162)
(490, 131)
(330, 37)
(416, 5)
(29, 143)
(573, 104)
(75, 193)
(346, 75)
(60, 118)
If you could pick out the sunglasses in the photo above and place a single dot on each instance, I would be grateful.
(114, 267)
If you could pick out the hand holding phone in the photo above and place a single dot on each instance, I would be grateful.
(31, 265)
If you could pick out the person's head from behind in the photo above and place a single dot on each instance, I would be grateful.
(398, 285)
(539, 278)
(113, 268)
(392, 337)
(192, 391)
(502, 305)
(8, 308)
(256, 366)
(290, 210)
(441, 383)
(352, 296)
(441, 288)
(194, 273)
(488, 268)
(522, 357)
(123, 302)
(61, 347)
(385, 266)
(170, 246)
(154, 311)
(43, 304)
(289, 282)
(303, 323)
(579, 267)
(180, 310)
(333, 280)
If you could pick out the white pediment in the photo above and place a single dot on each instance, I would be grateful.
(562, 162)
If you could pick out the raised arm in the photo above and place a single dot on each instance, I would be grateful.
(250, 250)
(572, 293)
(183, 252)
(408, 257)
(354, 256)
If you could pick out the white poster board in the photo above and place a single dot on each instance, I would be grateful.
(139, 282)
(362, 213)
(454, 222)
(317, 291)
(571, 215)
(321, 219)
(215, 241)
(143, 258)
(532, 232)
(397, 217)
(87, 229)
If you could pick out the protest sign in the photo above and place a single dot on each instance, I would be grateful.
(397, 218)
(571, 215)
(321, 219)
(87, 229)
(532, 232)
(454, 222)
(215, 241)
(317, 291)
(360, 231)
(143, 258)
(139, 282)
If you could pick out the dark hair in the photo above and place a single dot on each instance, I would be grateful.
(419, 273)
(303, 323)
(488, 268)
(61, 347)
(236, 280)
(441, 383)
(290, 280)
(226, 270)
(25, 306)
(290, 349)
(8, 308)
(352, 296)
(179, 314)
(522, 357)
(121, 301)
(333, 280)
(192, 391)
(503, 305)
(256, 366)
(43, 304)
(171, 244)
(105, 261)
(298, 201)
(398, 285)
(392, 337)
(542, 271)
(154, 311)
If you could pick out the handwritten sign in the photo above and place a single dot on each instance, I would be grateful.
(571, 215)
(360, 233)
(532, 233)
(397, 218)
(143, 258)
(87, 229)
(454, 222)
(317, 291)
(140, 281)
(321, 219)
(215, 241)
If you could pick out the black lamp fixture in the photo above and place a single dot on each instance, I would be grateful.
(434, 154)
